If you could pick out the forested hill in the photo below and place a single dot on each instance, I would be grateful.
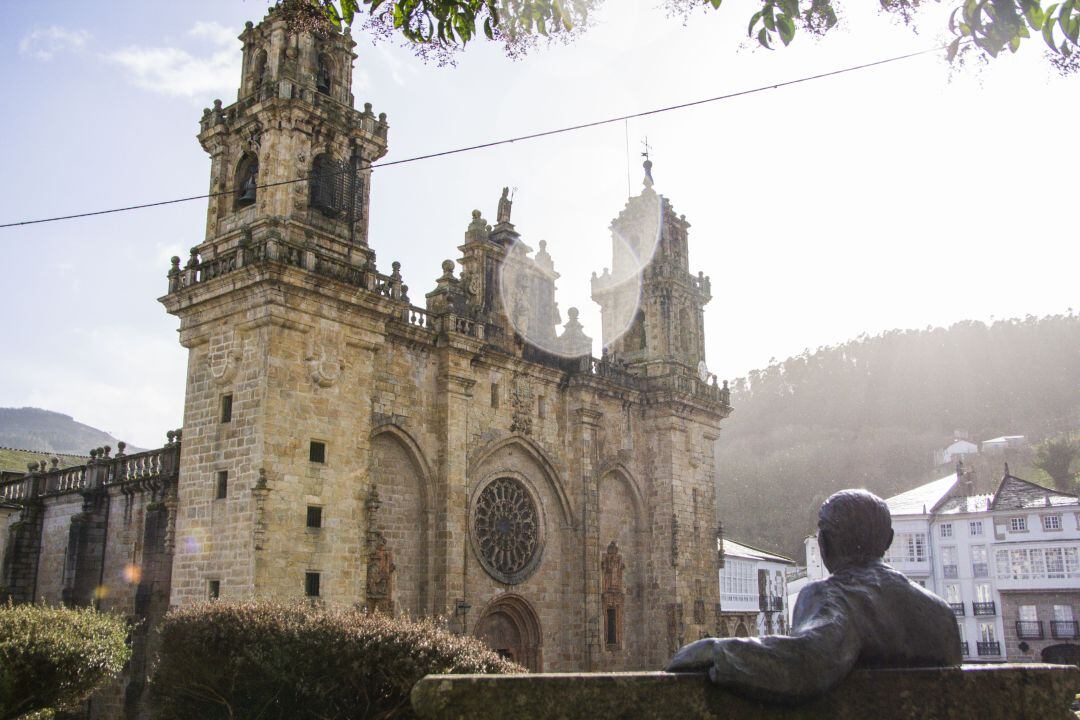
(870, 412)
(46, 431)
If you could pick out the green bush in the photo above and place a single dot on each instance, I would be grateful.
(269, 660)
(55, 657)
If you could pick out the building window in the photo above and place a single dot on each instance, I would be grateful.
(314, 516)
(329, 184)
(213, 589)
(323, 74)
(980, 567)
(907, 547)
(1063, 626)
(317, 452)
(946, 530)
(948, 562)
(1051, 522)
(247, 180)
(311, 584)
(1018, 524)
(612, 627)
(975, 527)
(1037, 563)
(226, 408)
(540, 411)
(738, 583)
(222, 485)
(495, 395)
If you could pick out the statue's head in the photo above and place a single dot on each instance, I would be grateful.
(854, 528)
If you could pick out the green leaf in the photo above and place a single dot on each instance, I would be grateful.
(763, 38)
(1048, 28)
(753, 21)
(787, 28)
(1014, 44)
(488, 32)
(954, 47)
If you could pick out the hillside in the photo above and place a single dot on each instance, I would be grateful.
(868, 413)
(50, 432)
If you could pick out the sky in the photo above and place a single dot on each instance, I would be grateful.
(901, 196)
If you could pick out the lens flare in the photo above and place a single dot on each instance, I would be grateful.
(132, 573)
(527, 284)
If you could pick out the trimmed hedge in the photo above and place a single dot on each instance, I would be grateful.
(53, 658)
(270, 660)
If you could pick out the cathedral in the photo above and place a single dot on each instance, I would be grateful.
(456, 453)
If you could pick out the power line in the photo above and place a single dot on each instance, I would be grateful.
(507, 141)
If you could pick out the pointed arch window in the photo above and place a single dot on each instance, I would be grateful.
(324, 74)
(247, 180)
(261, 68)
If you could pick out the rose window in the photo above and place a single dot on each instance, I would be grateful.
(506, 530)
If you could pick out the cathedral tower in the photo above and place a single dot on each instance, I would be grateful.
(270, 315)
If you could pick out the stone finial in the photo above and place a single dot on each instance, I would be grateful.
(404, 292)
(396, 267)
(93, 453)
(174, 261)
(217, 105)
(106, 450)
(179, 434)
(648, 182)
(447, 269)
(170, 436)
(54, 461)
(367, 108)
(120, 448)
(382, 117)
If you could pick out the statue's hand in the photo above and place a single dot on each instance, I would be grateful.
(696, 656)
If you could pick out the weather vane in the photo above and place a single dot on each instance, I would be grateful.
(646, 147)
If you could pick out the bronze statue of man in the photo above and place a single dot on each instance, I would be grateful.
(865, 615)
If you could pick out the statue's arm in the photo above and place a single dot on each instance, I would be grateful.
(821, 650)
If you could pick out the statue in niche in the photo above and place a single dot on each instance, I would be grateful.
(865, 615)
(380, 577)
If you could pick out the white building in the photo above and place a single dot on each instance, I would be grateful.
(1008, 563)
(957, 449)
(1005, 442)
(1013, 584)
(753, 590)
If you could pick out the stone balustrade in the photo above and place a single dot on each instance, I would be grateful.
(971, 692)
(103, 469)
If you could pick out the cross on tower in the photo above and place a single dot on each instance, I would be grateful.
(646, 147)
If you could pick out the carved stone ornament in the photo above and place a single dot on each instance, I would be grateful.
(325, 367)
(506, 530)
(521, 399)
(222, 364)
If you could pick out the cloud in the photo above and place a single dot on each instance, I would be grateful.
(45, 43)
(178, 72)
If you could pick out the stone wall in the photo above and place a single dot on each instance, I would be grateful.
(1044, 602)
(1000, 692)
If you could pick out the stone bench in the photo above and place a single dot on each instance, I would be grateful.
(978, 692)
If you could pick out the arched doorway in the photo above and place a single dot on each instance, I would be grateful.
(510, 627)
(1063, 654)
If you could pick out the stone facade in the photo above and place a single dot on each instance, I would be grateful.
(466, 457)
(99, 535)
(1050, 633)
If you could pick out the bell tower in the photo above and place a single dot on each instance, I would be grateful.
(652, 307)
(292, 151)
(282, 310)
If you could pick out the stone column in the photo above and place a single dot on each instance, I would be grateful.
(586, 420)
(455, 383)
